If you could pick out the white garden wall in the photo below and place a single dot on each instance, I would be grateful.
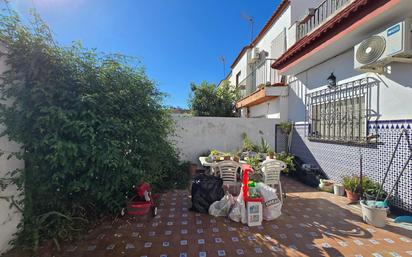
(197, 135)
(9, 217)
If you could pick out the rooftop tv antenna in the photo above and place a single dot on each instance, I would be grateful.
(251, 22)
(223, 60)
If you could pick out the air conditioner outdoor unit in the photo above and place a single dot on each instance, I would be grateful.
(391, 45)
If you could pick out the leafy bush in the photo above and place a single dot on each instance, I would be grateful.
(264, 146)
(352, 183)
(248, 145)
(255, 163)
(209, 100)
(286, 127)
(371, 189)
(288, 160)
(91, 126)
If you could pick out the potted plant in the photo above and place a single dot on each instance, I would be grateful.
(286, 127)
(326, 185)
(288, 160)
(352, 186)
(271, 155)
(257, 175)
(248, 145)
(371, 190)
(216, 155)
(226, 157)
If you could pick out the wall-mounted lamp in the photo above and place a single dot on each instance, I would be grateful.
(332, 81)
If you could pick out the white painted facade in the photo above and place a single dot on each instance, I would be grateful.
(272, 43)
(391, 99)
(390, 111)
(241, 67)
(9, 217)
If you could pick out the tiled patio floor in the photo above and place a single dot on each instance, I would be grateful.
(312, 224)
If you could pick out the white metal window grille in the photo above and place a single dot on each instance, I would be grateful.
(341, 114)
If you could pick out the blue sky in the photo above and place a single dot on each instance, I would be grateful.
(178, 41)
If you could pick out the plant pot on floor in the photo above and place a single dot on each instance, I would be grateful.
(375, 216)
(192, 169)
(339, 189)
(352, 196)
(326, 185)
(372, 197)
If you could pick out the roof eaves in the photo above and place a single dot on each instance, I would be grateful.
(314, 36)
(275, 16)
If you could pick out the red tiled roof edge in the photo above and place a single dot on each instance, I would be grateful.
(300, 48)
(276, 14)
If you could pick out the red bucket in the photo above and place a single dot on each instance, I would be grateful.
(138, 208)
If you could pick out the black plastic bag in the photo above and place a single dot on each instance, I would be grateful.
(309, 174)
(206, 190)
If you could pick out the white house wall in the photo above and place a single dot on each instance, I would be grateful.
(391, 100)
(277, 27)
(275, 108)
(9, 217)
(394, 91)
(240, 66)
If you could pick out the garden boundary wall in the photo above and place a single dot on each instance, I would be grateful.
(195, 136)
(9, 217)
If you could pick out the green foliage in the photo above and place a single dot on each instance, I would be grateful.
(264, 146)
(352, 183)
(255, 163)
(208, 100)
(216, 153)
(248, 145)
(288, 160)
(371, 189)
(286, 127)
(91, 127)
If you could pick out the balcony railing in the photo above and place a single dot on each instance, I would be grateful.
(262, 75)
(317, 16)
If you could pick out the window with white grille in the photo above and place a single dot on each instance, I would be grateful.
(340, 114)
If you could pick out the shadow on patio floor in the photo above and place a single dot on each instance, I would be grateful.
(313, 223)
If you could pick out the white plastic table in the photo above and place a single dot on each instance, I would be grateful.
(205, 163)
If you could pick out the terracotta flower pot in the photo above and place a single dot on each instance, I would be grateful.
(352, 196)
(192, 169)
(226, 158)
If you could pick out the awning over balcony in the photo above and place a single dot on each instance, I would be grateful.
(262, 95)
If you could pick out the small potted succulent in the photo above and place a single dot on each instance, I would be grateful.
(271, 155)
(227, 156)
(352, 188)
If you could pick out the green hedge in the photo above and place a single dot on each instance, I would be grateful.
(91, 126)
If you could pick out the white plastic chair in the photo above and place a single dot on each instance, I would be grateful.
(228, 172)
(271, 174)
